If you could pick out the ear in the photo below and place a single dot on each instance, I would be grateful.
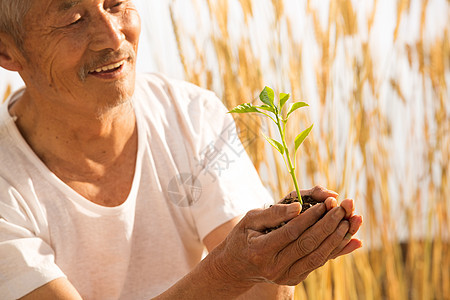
(10, 55)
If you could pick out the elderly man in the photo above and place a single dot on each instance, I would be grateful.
(98, 169)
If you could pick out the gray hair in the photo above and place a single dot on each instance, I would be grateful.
(12, 13)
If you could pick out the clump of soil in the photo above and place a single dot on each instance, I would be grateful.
(308, 202)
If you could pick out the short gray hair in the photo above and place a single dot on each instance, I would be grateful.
(12, 13)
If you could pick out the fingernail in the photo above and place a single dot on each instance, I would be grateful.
(333, 192)
(294, 208)
(348, 236)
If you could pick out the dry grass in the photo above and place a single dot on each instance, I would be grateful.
(381, 135)
(381, 132)
(7, 93)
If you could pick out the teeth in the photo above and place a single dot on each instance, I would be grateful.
(109, 67)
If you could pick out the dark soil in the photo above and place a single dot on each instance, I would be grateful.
(308, 202)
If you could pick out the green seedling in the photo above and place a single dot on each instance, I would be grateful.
(275, 113)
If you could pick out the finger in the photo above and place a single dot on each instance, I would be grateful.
(261, 219)
(355, 223)
(317, 258)
(349, 206)
(319, 193)
(353, 245)
(320, 231)
(311, 238)
(341, 246)
(290, 232)
(331, 203)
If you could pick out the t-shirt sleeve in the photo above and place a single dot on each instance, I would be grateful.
(26, 260)
(227, 183)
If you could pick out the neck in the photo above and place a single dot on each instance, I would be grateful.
(74, 135)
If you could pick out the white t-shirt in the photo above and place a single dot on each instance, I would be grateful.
(192, 175)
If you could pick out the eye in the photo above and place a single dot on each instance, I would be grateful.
(115, 5)
(75, 20)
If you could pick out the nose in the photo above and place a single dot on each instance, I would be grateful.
(106, 32)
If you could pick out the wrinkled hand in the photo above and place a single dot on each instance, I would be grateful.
(287, 255)
(321, 194)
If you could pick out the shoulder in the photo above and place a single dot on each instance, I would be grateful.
(17, 193)
(15, 154)
(175, 91)
(158, 80)
(12, 162)
(179, 102)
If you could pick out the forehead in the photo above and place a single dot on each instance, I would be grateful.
(53, 6)
(63, 5)
(43, 14)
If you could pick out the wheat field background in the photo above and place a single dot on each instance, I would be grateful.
(375, 74)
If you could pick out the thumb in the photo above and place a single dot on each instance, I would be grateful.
(271, 217)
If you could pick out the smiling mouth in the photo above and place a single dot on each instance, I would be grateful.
(107, 69)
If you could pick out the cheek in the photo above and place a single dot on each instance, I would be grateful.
(65, 57)
(60, 66)
(132, 25)
(59, 53)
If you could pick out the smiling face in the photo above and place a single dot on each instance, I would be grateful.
(81, 53)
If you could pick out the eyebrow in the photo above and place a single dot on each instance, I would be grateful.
(68, 4)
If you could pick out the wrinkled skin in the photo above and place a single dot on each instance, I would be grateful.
(287, 255)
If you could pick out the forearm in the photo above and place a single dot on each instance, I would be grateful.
(58, 289)
(285, 256)
(207, 281)
(269, 291)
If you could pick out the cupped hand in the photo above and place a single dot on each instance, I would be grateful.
(287, 255)
(329, 197)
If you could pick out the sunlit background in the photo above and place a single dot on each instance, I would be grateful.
(376, 75)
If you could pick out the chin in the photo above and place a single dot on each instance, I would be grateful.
(119, 92)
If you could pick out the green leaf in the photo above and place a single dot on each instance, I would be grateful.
(267, 96)
(283, 99)
(277, 145)
(301, 137)
(266, 107)
(296, 106)
(244, 108)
